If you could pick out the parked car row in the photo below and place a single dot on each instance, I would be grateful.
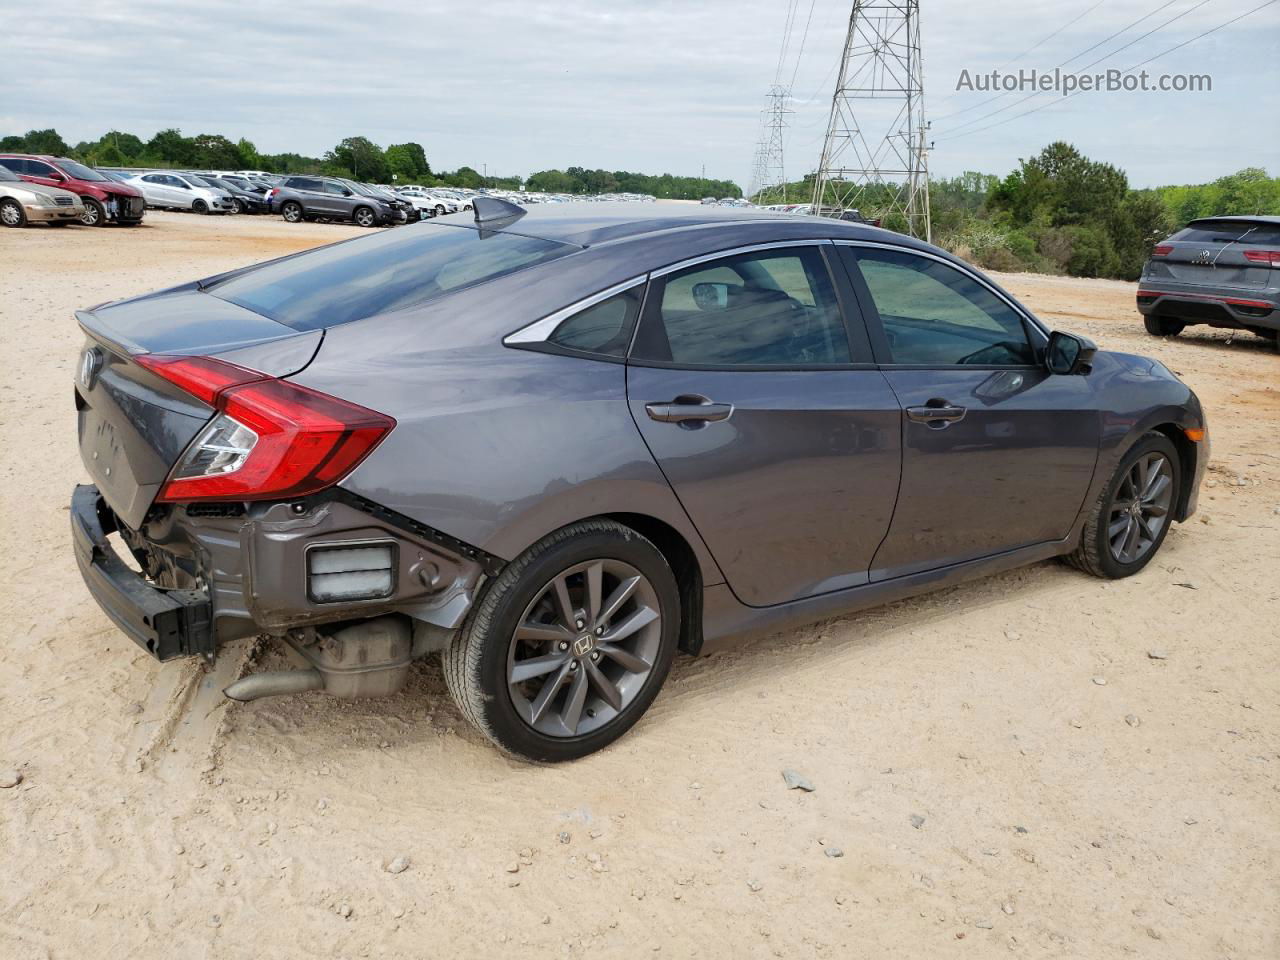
(36, 185)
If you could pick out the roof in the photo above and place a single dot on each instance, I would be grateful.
(589, 223)
(1243, 218)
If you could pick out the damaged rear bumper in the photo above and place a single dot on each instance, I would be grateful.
(165, 623)
(218, 572)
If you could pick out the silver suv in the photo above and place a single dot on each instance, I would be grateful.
(301, 198)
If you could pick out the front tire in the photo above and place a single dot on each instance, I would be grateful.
(292, 212)
(95, 214)
(12, 214)
(200, 206)
(570, 644)
(237, 205)
(439, 210)
(1131, 516)
(364, 217)
(1163, 326)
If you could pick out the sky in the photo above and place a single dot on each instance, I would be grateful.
(653, 86)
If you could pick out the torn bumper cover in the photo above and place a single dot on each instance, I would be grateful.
(165, 623)
(217, 572)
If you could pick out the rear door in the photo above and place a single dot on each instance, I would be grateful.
(762, 408)
(997, 453)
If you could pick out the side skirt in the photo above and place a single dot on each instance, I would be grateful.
(726, 622)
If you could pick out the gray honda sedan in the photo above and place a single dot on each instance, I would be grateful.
(558, 446)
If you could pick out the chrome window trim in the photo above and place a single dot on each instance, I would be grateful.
(733, 252)
(959, 267)
(540, 330)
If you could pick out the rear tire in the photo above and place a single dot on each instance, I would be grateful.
(291, 211)
(564, 710)
(12, 214)
(1110, 519)
(1162, 326)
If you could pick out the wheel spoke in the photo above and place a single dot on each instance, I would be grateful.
(1117, 527)
(641, 617)
(624, 658)
(616, 599)
(573, 703)
(605, 687)
(568, 615)
(1130, 540)
(547, 694)
(1155, 490)
(1155, 510)
(553, 632)
(595, 586)
(537, 666)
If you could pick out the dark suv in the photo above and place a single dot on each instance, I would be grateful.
(105, 200)
(329, 198)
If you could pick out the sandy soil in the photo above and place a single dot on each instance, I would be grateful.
(1003, 766)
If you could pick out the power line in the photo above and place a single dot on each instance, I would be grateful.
(1039, 43)
(803, 37)
(1001, 96)
(1163, 53)
(1036, 93)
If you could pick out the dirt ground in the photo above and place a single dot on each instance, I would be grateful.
(1039, 764)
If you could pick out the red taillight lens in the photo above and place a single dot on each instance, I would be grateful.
(292, 440)
(1263, 256)
(202, 377)
(1162, 250)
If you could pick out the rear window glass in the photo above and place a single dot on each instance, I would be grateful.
(390, 271)
(1228, 231)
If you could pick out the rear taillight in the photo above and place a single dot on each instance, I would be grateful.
(270, 440)
(1162, 250)
(1271, 257)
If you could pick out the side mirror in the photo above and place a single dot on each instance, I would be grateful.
(1068, 354)
(346, 192)
(711, 296)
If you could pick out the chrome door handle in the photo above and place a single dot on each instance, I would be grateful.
(689, 409)
(936, 413)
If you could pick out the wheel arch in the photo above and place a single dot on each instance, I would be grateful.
(1187, 454)
(682, 559)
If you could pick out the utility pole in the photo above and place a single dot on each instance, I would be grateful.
(879, 90)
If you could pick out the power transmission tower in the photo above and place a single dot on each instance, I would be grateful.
(880, 88)
(773, 167)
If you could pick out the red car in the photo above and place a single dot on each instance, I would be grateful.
(105, 200)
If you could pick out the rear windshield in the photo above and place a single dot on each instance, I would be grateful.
(390, 271)
(1229, 231)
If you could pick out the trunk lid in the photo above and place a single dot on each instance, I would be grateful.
(1212, 253)
(134, 425)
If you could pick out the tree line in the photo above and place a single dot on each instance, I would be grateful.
(1061, 212)
(358, 158)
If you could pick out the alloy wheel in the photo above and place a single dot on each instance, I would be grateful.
(364, 217)
(10, 213)
(1140, 508)
(292, 212)
(92, 215)
(584, 648)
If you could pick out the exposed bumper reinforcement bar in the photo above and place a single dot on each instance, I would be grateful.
(165, 623)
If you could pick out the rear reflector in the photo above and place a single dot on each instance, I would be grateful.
(356, 571)
(1271, 257)
(270, 440)
(1194, 434)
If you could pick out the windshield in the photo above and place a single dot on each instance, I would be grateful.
(390, 271)
(79, 171)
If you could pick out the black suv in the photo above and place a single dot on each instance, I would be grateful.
(301, 198)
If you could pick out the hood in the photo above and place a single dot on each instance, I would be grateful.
(119, 189)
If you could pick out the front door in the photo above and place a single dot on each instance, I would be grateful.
(782, 449)
(997, 453)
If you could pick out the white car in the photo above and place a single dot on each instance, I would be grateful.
(178, 191)
(429, 201)
(22, 202)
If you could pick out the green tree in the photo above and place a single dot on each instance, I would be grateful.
(213, 151)
(408, 161)
(46, 142)
(359, 158)
(170, 148)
